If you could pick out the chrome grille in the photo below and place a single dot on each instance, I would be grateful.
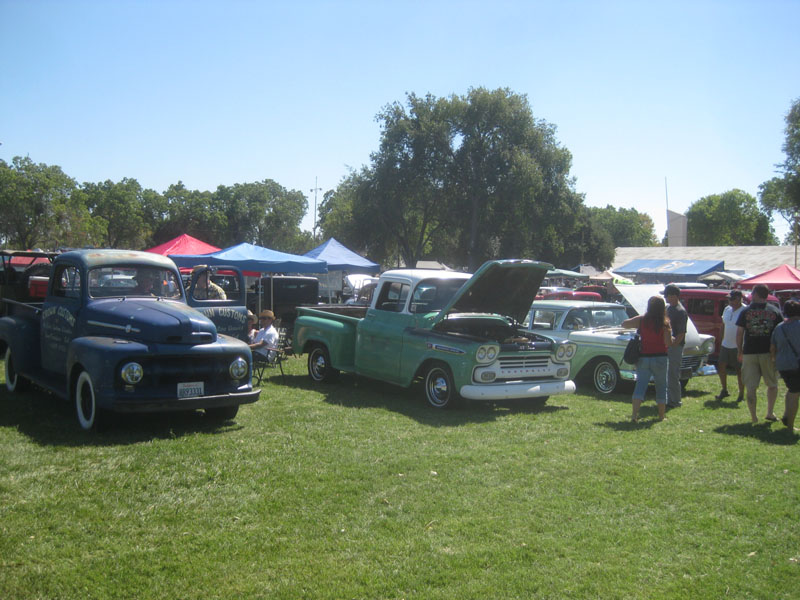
(530, 368)
(691, 362)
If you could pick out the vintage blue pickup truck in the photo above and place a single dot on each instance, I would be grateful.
(115, 334)
(460, 334)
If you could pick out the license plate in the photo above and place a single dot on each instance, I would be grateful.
(190, 389)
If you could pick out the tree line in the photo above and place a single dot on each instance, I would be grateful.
(42, 207)
(461, 180)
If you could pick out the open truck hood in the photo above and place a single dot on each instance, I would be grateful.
(503, 287)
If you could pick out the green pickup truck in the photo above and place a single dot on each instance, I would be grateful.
(461, 334)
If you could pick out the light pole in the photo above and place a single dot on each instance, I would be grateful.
(315, 189)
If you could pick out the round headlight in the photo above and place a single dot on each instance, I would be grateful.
(238, 368)
(481, 355)
(132, 373)
(561, 352)
(491, 353)
(571, 348)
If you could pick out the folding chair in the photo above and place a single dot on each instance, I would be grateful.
(276, 357)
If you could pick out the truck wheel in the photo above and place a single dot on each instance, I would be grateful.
(319, 365)
(14, 381)
(440, 390)
(222, 414)
(85, 403)
(605, 375)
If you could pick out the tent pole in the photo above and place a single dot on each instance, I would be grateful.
(260, 290)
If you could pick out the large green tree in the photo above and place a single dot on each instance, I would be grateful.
(782, 194)
(729, 219)
(40, 207)
(121, 205)
(626, 226)
(263, 213)
(465, 179)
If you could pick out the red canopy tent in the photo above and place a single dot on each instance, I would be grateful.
(183, 244)
(780, 278)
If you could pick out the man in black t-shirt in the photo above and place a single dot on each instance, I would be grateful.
(753, 339)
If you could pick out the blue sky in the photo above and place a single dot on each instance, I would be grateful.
(217, 93)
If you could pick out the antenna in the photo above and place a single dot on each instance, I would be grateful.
(315, 189)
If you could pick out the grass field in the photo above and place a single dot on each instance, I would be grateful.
(358, 490)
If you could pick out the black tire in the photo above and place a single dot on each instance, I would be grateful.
(14, 381)
(440, 389)
(86, 409)
(223, 413)
(319, 365)
(604, 375)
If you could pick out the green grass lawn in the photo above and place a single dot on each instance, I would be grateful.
(358, 490)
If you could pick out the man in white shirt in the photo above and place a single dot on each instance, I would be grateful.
(267, 336)
(728, 352)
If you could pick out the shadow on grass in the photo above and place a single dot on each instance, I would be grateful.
(648, 417)
(50, 421)
(352, 391)
(763, 432)
(728, 403)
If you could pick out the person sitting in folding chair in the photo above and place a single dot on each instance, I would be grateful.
(266, 346)
(266, 340)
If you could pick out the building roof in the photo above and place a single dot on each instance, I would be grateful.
(670, 267)
(750, 260)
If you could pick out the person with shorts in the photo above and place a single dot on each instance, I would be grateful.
(728, 352)
(784, 350)
(753, 339)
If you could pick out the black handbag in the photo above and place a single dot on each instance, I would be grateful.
(633, 350)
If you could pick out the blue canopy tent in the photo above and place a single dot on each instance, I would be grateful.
(340, 259)
(665, 271)
(249, 257)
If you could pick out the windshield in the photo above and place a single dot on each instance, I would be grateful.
(577, 318)
(434, 294)
(112, 282)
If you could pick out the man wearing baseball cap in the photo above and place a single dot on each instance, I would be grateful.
(753, 338)
(267, 337)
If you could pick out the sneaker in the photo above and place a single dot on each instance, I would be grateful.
(770, 418)
(722, 394)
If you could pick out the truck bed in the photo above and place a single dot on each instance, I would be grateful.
(347, 310)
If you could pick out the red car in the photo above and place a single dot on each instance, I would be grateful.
(574, 295)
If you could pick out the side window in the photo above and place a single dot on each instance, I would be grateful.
(67, 282)
(393, 296)
(700, 306)
(543, 319)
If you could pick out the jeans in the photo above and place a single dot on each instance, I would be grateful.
(675, 357)
(655, 367)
